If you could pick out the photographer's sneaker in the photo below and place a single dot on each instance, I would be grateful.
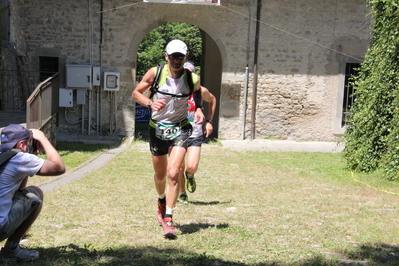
(191, 185)
(19, 254)
(168, 228)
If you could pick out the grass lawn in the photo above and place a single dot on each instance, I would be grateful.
(250, 208)
(74, 154)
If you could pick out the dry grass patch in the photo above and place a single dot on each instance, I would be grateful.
(250, 208)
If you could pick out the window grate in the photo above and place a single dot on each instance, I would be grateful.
(351, 70)
(48, 67)
(5, 22)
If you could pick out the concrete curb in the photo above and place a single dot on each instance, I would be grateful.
(283, 145)
(238, 145)
(88, 167)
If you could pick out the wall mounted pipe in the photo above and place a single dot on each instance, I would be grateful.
(244, 107)
(255, 81)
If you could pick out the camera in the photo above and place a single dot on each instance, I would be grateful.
(33, 147)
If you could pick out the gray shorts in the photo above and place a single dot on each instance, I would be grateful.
(24, 202)
(196, 142)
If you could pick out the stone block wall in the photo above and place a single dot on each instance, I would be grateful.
(49, 129)
(302, 47)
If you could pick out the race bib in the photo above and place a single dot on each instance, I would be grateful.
(168, 131)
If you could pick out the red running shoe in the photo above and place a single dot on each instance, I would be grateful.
(168, 228)
(161, 212)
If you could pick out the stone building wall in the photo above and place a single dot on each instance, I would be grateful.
(303, 45)
(49, 129)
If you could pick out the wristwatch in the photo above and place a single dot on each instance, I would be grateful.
(149, 104)
(209, 121)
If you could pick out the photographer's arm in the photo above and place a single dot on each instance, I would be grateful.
(23, 183)
(53, 165)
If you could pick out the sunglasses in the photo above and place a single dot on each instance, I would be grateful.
(176, 56)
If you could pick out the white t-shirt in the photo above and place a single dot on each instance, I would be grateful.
(176, 107)
(197, 129)
(12, 173)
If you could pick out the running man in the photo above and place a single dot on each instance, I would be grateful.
(195, 141)
(169, 127)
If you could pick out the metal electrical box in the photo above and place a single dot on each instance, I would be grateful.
(78, 76)
(96, 76)
(111, 81)
(80, 96)
(65, 97)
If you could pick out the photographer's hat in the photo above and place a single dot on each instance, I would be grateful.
(11, 134)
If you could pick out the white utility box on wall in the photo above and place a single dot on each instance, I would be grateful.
(65, 97)
(78, 76)
(111, 81)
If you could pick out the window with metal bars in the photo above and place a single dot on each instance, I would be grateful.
(351, 70)
(48, 67)
(5, 21)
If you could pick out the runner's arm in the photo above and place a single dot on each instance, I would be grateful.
(144, 85)
(199, 117)
(211, 99)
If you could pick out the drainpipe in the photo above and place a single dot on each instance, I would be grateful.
(91, 63)
(244, 108)
(255, 81)
(99, 92)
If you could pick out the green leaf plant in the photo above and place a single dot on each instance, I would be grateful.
(372, 137)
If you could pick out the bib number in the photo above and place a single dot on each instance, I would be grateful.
(167, 131)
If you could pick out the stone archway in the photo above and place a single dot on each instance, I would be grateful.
(211, 73)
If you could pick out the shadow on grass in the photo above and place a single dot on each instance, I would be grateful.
(195, 227)
(203, 203)
(374, 254)
(381, 253)
(75, 255)
(69, 147)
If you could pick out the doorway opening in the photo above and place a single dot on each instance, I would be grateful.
(203, 54)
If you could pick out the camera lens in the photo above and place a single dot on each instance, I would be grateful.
(33, 147)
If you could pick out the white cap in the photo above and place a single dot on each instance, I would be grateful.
(176, 46)
(190, 66)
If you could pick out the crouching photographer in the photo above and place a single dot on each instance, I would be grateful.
(20, 204)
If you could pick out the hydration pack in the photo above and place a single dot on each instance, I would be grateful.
(155, 84)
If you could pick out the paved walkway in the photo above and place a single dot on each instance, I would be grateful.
(282, 145)
(7, 118)
(88, 167)
(256, 145)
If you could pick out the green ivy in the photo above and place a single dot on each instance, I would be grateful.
(152, 48)
(372, 137)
